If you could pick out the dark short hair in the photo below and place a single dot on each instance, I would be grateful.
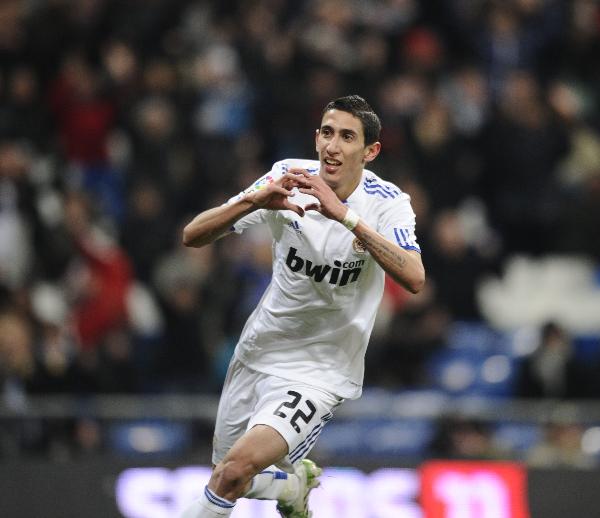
(357, 106)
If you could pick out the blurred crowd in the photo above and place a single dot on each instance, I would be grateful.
(122, 119)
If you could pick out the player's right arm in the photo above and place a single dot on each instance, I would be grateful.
(212, 224)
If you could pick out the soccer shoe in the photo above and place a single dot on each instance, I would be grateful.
(308, 475)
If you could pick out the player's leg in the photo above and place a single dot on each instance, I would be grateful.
(280, 418)
(236, 405)
(259, 448)
(298, 413)
(286, 423)
(242, 450)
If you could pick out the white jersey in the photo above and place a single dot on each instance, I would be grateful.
(314, 321)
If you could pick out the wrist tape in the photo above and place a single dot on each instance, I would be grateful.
(350, 219)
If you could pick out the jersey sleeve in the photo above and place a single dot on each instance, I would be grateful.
(260, 215)
(397, 223)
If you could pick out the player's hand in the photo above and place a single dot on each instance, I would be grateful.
(275, 195)
(329, 204)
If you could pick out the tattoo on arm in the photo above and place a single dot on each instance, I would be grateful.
(386, 253)
(402, 265)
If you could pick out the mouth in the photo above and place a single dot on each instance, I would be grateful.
(331, 164)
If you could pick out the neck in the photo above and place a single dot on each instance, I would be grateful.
(344, 190)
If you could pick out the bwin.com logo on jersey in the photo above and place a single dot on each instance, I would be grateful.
(340, 274)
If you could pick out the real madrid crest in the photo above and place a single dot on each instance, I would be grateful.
(358, 246)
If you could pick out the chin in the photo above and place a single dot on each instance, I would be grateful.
(331, 179)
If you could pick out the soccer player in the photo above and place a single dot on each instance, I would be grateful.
(337, 229)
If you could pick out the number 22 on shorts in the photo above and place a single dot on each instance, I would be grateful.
(299, 414)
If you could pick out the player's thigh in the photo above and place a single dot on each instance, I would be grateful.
(298, 412)
(236, 406)
(260, 447)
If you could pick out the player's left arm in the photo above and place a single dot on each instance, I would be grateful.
(404, 266)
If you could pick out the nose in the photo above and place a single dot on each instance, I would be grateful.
(333, 146)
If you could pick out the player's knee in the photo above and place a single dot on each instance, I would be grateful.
(231, 477)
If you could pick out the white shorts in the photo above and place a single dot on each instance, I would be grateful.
(249, 398)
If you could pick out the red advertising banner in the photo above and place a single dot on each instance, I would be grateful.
(456, 489)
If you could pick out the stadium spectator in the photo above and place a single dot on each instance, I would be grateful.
(561, 448)
(551, 370)
(100, 284)
(466, 439)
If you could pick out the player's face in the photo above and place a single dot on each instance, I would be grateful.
(342, 152)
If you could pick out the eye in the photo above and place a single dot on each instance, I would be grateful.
(326, 132)
(348, 137)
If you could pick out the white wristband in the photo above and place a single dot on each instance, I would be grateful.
(350, 219)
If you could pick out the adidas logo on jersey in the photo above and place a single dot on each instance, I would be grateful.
(340, 274)
(296, 226)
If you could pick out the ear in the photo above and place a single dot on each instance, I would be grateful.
(371, 151)
(317, 139)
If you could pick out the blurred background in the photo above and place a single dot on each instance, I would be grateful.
(122, 119)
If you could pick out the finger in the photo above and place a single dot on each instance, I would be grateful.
(309, 190)
(292, 206)
(318, 182)
(292, 176)
(289, 184)
(298, 171)
(313, 206)
(295, 179)
(281, 190)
